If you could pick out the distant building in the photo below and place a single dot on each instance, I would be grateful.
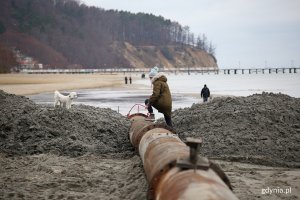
(26, 62)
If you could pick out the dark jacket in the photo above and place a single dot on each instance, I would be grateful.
(161, 97)
(205, 92)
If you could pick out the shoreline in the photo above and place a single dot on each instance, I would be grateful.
(29, 84)
(33, 84)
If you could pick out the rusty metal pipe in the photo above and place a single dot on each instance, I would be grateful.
(173, 170)
(159, 149)
(138, 124)
(190, 185)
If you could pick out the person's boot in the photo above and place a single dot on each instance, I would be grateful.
(150, 117)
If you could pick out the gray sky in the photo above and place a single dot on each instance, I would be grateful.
(246, 33)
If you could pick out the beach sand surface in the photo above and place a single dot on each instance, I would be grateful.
(26, 84)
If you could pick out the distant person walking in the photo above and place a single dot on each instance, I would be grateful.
(130, 80)
(126, 79)
(161, 98)
(205, 93)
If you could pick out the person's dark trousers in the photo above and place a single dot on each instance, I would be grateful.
(205, 99)
(167, 118)
(168, 121)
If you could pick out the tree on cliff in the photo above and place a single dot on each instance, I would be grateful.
(7, 60)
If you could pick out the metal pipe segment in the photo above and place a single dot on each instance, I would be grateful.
(173, 168)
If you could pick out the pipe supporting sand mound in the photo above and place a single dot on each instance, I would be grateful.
(262, 128)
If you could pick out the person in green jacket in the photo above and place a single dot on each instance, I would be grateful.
(161, 98)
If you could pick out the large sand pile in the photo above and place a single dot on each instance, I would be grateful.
(81, 153)
(28, 128)
(85, 153)
(262, 128)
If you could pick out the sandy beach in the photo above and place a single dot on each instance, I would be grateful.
(26, 84)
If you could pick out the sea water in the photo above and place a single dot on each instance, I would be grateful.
(235, 85)
(185, 90)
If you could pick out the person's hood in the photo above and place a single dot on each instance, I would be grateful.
(159, 76)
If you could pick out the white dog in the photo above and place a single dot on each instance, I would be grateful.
(64, 101)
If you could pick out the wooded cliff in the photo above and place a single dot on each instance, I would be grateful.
(68, 34)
